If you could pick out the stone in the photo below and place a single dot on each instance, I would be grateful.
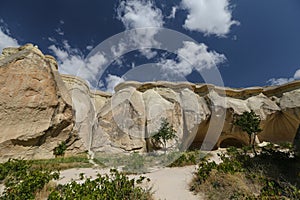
(35, 107)
(86, 103)
(202, 115)
(39, 108)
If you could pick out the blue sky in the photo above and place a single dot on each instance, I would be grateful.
(251, 42)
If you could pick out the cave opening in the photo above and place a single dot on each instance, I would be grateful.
(231, 142)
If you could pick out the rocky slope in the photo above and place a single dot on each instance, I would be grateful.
(39, 108)
(35, 107)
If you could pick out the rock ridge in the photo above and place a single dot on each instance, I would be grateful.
(39, 108)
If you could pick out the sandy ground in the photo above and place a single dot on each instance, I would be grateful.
(2, 187)
(167, 183)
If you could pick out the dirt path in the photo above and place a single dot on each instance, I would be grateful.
(167, 183)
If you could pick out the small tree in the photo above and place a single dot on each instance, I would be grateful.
(249, 122)
(164, 134)
(60, 149)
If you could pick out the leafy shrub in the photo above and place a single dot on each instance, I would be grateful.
(164, 134)
(272, 174)
(12, 166)
(249, 122)
(186, 158)
(204, 170)
(22, 181)
(60, 149)
(115, 186)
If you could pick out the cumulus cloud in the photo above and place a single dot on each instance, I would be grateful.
(138, 14)
(297, 74)
(208, 16)
(72, 61)
(281, 81)
(192, 56)
(112, 81)
(6, 40)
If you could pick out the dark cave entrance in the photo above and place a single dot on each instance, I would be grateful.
(231, 142)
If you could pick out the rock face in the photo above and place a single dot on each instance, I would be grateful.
(86, 103)
(39, 108)
(35, 107)
(201, 114)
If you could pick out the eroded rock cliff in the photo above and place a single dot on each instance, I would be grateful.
(39, 108)
(201, 114)
(35, 107)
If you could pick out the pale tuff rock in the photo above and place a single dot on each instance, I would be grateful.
(87, 103)
(194, 110)
(39, 108)
(35, 107)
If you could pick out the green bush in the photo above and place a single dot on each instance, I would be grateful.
(164, 134)
(273, 171)
(249, 122)
(22, 181)
(115, 186)
(60, 149)
(185, 158)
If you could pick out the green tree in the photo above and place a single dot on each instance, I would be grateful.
(249, 122)
(164, 134)
(60, 149)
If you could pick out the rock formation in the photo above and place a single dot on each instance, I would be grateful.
(86, 103)
(35, 107)
(201, 114)
(39, 108)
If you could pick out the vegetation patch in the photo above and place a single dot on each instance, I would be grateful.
(60, 149)
(165, 133)
(113, 186)
(188, 158)
(62, 163)
(273, 174)
(137, 163)
(23, 181)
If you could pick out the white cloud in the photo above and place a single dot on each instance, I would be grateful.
(71, 61)
(59, 53)
(59, 31)
(281, 81)
(137, 14)
(192, 56)
(208, 16)
(118, 50)
(297, 74)
(89, 47)
(173, 12)
(6, 40)
(52, 39)
(112, 81)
